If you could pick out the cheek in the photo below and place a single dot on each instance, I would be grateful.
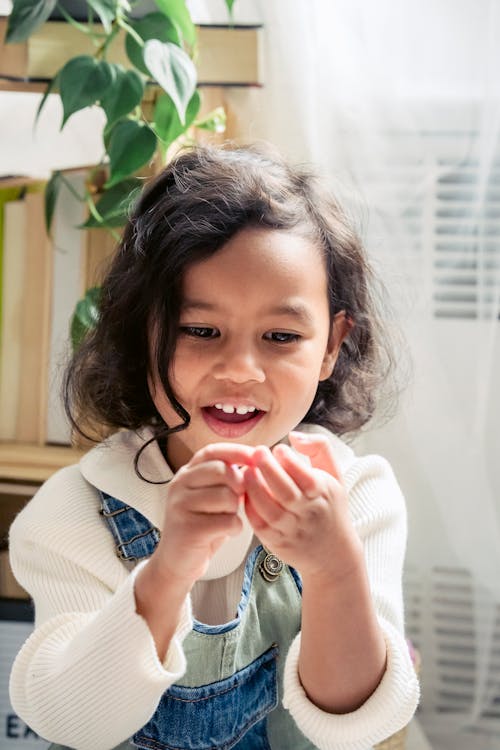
(308, 364)
(181, 372)
(299, 383)
(188, 367)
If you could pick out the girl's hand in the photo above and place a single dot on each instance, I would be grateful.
(201, 511)
(300, 512)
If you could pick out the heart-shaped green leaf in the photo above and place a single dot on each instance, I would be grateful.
(83, 81)
(114, 204)
(177, 11)
(131, 145)
(106, 10)
(167, 124)
(85, 317)
(151, 26)
(26, 16)
(174, 70)
(125, 94)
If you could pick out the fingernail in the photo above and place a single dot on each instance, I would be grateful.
(300, 436)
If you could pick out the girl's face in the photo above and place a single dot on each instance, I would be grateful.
(255, 339)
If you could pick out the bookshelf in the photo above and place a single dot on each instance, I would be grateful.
(22, 86)
(33, 464)
(230, 74)
(227, 55)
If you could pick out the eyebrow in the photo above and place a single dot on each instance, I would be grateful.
(289, 310)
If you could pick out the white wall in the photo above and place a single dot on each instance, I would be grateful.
(25, 149)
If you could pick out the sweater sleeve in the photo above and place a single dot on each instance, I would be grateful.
(379, 516)
(89, 675)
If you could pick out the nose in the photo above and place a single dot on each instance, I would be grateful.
(239, 363)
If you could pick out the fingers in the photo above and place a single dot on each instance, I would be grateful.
(212, 474)
(275, 481)
(231, 453)
(279, 482)
(272, 495)
(212, 500)
(218, 525)
(261, 506)
(210, 488)
(319, 450)
(303, 476)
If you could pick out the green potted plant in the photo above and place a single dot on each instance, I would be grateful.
(161, 50)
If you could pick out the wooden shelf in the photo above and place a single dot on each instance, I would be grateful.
(34, 463)
(227, 55)
(22, 86)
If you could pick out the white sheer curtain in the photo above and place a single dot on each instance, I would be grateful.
(399, 105)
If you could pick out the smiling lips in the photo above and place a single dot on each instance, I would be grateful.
(229, 421)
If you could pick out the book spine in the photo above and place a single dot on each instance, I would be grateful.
(227, 56)
(13, 272)
(37, 290)
(67, 289)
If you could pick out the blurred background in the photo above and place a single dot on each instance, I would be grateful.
(398, 106)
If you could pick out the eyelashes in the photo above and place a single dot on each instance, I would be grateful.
(199, 332)
(282, 337)
(207, 332)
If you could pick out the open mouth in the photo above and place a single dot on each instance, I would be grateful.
(231, 421)
(232, 414)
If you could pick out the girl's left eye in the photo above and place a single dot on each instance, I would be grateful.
(281, 337)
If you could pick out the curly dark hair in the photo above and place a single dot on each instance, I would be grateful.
(186, 214)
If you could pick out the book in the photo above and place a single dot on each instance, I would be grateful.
(14, 312)
(41, 281)
(68, 247)
(13, 270)
(8, 192)
(36, 295)
(80, 258)
(226, 55)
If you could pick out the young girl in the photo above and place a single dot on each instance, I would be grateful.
(222, 571)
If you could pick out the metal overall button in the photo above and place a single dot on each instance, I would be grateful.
(270, 567)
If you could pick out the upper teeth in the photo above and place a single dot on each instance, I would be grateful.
(230, 409)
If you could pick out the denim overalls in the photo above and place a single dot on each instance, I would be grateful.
(230, 695)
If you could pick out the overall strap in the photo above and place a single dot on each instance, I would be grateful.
(135, 537)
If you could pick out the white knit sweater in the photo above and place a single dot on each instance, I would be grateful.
(89, 675)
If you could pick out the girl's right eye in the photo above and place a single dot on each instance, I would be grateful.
(199, 332)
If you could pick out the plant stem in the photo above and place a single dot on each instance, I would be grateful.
(132, 32)
(84, 28)
(102, 50)
(72, 190)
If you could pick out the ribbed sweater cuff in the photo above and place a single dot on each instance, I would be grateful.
(174, 662)
(386, 711)
(77, 660)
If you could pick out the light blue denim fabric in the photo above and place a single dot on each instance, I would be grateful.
(222, 714)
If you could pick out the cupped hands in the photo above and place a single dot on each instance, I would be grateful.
(298, 508)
